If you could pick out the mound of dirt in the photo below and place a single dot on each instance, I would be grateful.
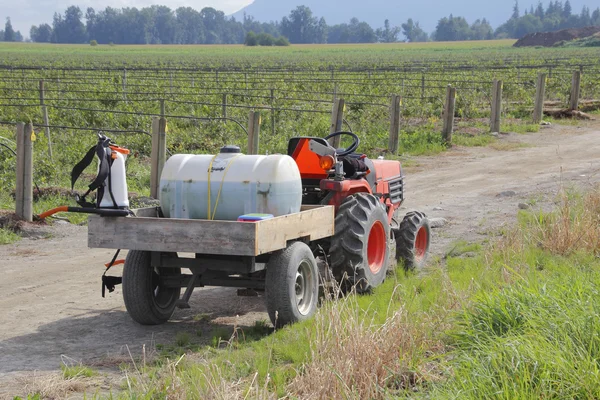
(549, 39)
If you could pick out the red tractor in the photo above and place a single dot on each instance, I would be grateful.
(367, 195)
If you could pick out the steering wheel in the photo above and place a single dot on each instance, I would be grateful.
(348, 150)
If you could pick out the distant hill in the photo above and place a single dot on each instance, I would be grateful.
(374, 12)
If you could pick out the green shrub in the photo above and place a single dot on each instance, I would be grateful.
(282, 41)
(93, 43)
(251, 39)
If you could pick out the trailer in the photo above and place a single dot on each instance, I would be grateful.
(337, 215)
(274, 256)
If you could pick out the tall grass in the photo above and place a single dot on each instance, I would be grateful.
(516, 319)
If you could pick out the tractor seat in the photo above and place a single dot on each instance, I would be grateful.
(293, 143)
(308, 163)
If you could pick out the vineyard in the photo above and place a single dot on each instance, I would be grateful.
(207, 93)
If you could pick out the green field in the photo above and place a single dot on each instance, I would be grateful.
(121, 88)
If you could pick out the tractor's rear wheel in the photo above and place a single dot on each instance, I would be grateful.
(147, 301)
(292, 285)
(412, 240)
(359, 249)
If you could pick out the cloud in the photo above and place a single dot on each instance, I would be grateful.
(35, 12)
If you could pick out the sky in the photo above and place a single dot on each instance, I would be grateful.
(35, 12)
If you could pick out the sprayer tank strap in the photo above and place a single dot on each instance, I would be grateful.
(101, 150)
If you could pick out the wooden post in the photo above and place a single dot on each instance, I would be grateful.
(171, 80)
(162, 108)
(575, 90)
(19, 181)
(337, 120)
(45, 118)
(540, 92)
(449, 115)
(394, 125)
(253, 132)
(24, 189)
(273, 112)
(158, 155)
(224, 105)
(125, 85)
(422, 87)
(496, 106)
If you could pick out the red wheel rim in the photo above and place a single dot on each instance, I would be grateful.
(376, 247)
(421, 243)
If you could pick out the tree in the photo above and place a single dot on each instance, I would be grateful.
(516, 14)
(302, 27)
(41, 34)
(9, 33)
(413, 32)
(452, 29)
(596, 17)
(388, 34)
(190, 27)
(527, 24)
(481, 30)
(214, 22)
(69, 29)
(584, 19)
(539, 11)
(251, 39)
(567, 10)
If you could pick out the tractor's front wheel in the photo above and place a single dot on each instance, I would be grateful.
(359, 248)
(412, 240)
(292, 285)
(147, 300)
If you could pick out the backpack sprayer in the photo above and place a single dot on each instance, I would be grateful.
(110, 182)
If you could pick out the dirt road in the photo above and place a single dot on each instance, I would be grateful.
(50, 300)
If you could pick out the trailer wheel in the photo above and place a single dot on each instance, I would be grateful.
(360, 249)
(412, 240)
(146, 300)
(292, 285)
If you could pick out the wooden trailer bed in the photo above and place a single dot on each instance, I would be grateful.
(148, 232)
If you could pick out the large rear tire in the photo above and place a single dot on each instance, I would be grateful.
(292, 285)
(412, 240)
(146, 300)
(359, 249)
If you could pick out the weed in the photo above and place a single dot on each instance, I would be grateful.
(7, 236)
(77, 371)
(218, 335)
(204, 317)
(520, 128)
(182, 339)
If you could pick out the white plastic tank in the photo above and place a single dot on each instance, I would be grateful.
(117, 181)
(229, 185)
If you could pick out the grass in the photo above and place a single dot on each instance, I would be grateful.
(7, 236)
(77, 371)
(517, 319)
(515, 127)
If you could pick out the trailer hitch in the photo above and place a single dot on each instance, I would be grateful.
(109, 282)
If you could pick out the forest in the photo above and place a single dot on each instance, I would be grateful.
(162, 25)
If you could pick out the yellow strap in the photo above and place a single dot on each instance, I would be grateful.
(214, 211)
